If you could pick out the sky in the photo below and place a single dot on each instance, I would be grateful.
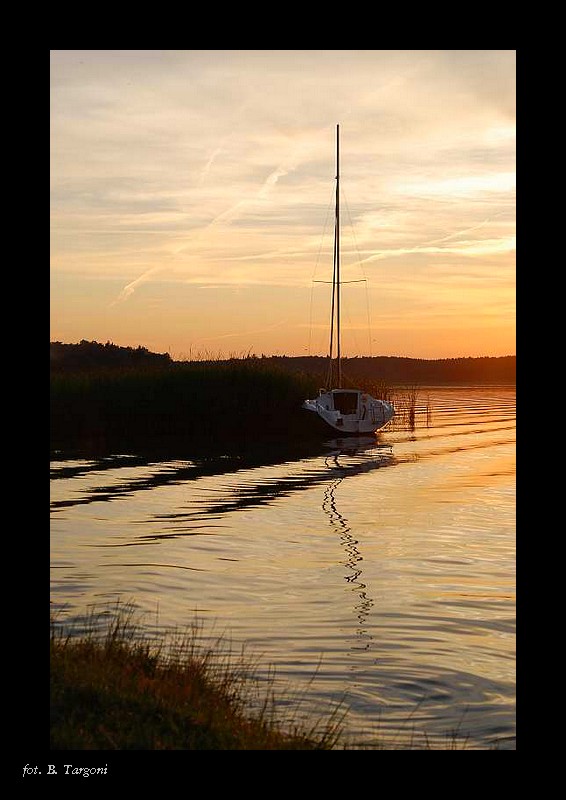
(192, 200)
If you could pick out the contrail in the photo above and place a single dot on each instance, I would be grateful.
(130, 288)
(272, 179)
(242, 333)
(425, 247)
(234, 210)
(209, 163)
(230, 214)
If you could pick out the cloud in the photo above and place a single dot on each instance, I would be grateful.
(215, 168)
(131, 287)
(240, 333)
(207, 167)
(224, 217)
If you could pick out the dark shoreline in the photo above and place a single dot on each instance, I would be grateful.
(401, 370)
(87, 356)
(104, 397)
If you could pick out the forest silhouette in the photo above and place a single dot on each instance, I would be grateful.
(91, 355)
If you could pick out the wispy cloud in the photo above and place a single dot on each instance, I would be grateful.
(225, 217)
(207, 167)
(238, 334)
(131, 287)
(210, 168)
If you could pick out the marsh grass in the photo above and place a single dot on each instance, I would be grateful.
(117, 688)
(406, 401)
(212, 399)
(207, 399)
(379, 389)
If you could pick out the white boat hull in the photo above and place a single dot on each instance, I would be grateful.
(351, 411)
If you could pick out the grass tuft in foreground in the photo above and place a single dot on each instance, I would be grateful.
(119, 691)
(112, 688)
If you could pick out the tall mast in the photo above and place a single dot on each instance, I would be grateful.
(337, 246)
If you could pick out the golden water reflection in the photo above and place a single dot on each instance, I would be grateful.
(388, 562)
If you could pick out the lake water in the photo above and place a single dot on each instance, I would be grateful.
(377, 573)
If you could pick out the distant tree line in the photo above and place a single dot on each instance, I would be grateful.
(391, 369)
(93, 355)
(397, 369)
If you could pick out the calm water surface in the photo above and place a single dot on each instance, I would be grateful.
(378, 571)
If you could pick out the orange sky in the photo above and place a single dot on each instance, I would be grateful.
(191, 200)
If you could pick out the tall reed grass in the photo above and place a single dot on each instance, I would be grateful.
(208, 399)
(115, 688)
(407, 401)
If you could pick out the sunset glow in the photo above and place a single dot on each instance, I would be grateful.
(192, 189)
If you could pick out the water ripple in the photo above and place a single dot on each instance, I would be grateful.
(379, 569)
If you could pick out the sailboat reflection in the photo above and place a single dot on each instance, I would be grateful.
(371, 457)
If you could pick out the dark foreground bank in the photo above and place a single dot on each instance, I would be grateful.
(119, 692)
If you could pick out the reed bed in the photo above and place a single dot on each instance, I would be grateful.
(210, 399)
(408, 402)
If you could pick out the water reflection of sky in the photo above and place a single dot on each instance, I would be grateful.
(385, 567)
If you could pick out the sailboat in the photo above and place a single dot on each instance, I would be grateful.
(349, 411)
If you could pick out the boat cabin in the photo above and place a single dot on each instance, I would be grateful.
(345, 401)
